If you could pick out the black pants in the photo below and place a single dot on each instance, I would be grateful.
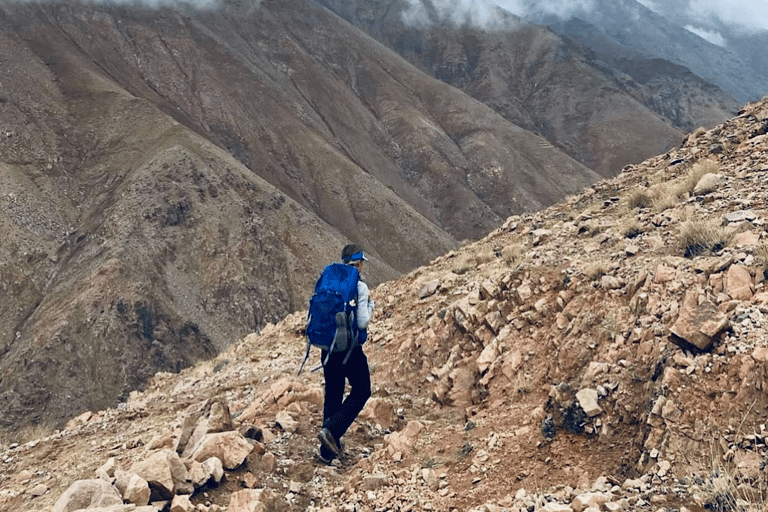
(340, 412)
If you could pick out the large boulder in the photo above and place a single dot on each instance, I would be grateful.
(87, 494)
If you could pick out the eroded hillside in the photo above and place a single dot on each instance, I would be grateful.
(173, 178)
(609, 351)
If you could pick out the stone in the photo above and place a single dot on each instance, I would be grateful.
(286, 421)
(109, 467)
(664, 274)
(379, 411)
(215, 468)
(181, 503)
(760, 354)
(79, 421)
(588, 401)
(38, 490)
(746, 239)
(250, 481)
(487, 357)
(708, 183)
(251, 500)
(739, 216)
(738, 283)
(429, 288)
(158, 473)
(555, 507)
(375, 482)
(402, 442)
(231, 448)
(611, 283)
(135, 489)
(591, 499)
(698, 324)
(87, 494)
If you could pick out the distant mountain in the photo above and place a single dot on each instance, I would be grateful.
(629, 25)
(605, 113)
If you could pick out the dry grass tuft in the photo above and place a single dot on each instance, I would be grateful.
(697, 237)
(513, 255)
(28, 433)
(470, 260)
(761, 256)
(596, 269)
(523, 384)
(630, 228)
(640, 198)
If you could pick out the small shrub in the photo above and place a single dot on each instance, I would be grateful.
(594, 270)
(761, 258)
(484, 257)
(523, 384)
(668, 196)
(640, 198)
(33, 433)
(513, 255)
(697, 237)
(761, 255)
(464, 263)
(631, 228)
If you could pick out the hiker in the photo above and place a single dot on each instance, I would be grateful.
(340, 412)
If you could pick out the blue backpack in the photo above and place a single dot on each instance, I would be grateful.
(331, 321)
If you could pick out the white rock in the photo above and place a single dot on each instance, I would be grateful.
(588, 401)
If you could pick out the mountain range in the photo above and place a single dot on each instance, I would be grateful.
(174, 178)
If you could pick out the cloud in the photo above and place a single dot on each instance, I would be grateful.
(428, 12)
(485, 13)
(751, 15)
(650, 4)
(561, 8)
(712, 36)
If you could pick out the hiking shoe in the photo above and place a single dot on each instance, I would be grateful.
(327, 460)
(328, 441)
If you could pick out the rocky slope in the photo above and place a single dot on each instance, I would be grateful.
(175, 178)
(606, 353)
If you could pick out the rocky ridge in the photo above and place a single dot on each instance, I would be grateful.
(607, 353)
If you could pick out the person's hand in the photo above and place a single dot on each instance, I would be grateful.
(371, 304)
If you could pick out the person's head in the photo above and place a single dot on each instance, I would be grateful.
(353, 255)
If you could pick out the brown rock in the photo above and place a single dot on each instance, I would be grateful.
(429, 288)
(87, 494)
(379, 411)
(252, 500)
(181, 503)
(746, 239)
(231, 448)
(698, 324)
(402, 442)
(165, 474)
(136, 490)
(664, 274)
(739, 283)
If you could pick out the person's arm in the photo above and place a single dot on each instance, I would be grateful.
(365, 305)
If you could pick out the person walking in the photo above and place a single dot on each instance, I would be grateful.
(340, 412)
